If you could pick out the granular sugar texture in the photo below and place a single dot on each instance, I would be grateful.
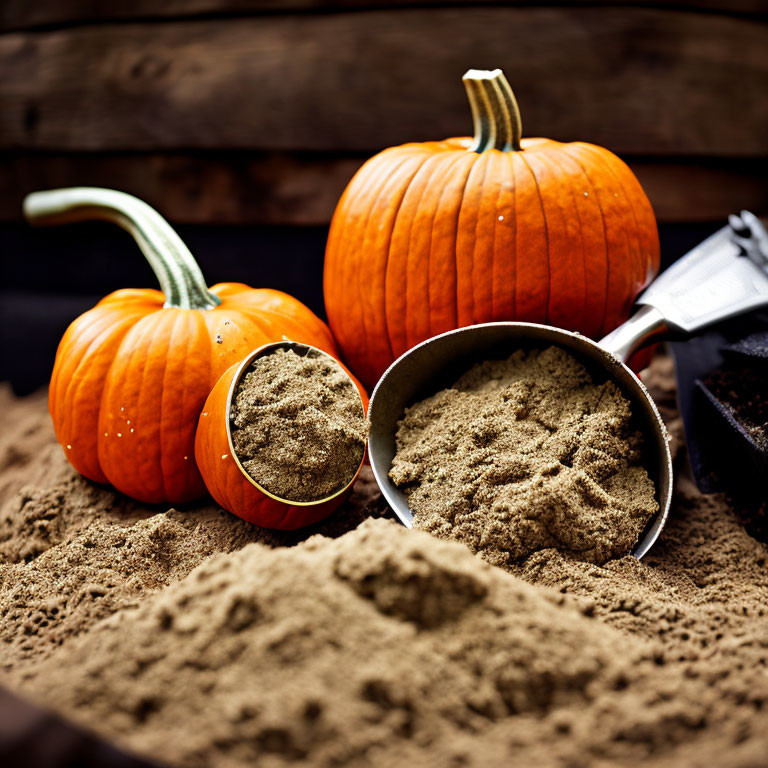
(526, 454)
(298, 425)
(365, 650)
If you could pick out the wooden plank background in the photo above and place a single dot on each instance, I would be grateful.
(639, 81)
(259, 111)
(23, 14)
(302, 189)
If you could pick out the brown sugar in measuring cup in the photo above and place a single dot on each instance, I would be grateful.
(523, 454)
(257, 438)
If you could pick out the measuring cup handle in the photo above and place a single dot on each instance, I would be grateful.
(723, 276)
(644, 327)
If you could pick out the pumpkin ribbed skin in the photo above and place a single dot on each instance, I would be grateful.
(433, 236)
(131, 377)
(227, 483)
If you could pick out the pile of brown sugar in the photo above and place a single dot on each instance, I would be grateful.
(526, 454)
(436, 648)
(298, 425)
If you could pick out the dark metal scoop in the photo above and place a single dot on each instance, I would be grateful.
(717, 279)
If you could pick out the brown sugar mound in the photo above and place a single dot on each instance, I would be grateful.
(526, 454)
(73, 553)
(240, 662)
(298, 425)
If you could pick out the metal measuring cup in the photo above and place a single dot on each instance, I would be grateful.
(725, 275)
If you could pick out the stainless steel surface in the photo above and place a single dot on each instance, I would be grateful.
(646, 325)
(751, 236)
(437, 363)
(724, 276)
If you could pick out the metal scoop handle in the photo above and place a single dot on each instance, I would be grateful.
(724, 276)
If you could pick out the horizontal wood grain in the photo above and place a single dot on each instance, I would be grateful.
(295, 189)
(226, 188)
(692, 192)
(639, 81)
(22, 14)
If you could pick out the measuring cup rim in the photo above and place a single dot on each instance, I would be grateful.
(241, 370)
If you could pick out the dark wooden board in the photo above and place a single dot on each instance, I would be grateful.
(640, 81)
(691, 192)
(23, 14)
(221, 188)
(30, 736)
(287, 189)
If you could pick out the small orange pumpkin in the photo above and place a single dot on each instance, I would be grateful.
(226, 479)
(131, 375)
(434, 236)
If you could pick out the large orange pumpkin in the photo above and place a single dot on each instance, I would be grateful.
(432, 236)
(131, 375)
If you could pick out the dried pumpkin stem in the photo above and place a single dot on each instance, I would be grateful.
(177, 271)
(494, 111)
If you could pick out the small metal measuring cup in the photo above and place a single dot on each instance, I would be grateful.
(724, 276)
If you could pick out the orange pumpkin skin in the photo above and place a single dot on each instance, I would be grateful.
(429, 237)
(226, 482)
(130, 379)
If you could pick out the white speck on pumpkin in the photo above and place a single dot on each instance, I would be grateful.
(106, 434)
(127, 421)
(224, 455)
(501, 218)
(586, 194)
(131, 429)
(119, 434)
(69, 447)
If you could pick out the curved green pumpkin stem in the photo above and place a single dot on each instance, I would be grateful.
(177, 271)
(494, 111)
